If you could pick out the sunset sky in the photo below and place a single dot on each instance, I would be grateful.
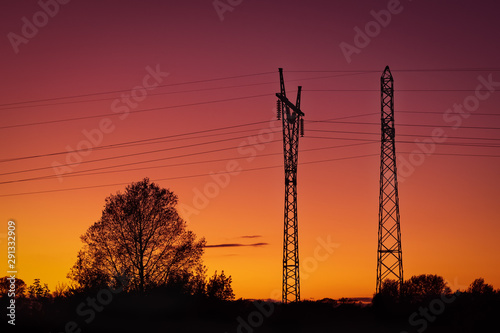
(178, 91)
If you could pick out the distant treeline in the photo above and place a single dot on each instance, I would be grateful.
(423, 303)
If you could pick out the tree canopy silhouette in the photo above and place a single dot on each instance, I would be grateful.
(416, 290)
(390, 288)
(37, 290)
(219, 286)
(479, 287)
(425, 286)
(5, 287)
(141, 237)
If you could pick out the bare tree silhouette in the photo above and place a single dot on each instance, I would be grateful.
(141, 236)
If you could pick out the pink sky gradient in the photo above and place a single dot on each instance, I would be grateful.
(449, 204)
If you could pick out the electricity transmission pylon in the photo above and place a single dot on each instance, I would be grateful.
(291, 117)
(389, 254)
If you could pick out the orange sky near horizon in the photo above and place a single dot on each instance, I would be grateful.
(448, 202)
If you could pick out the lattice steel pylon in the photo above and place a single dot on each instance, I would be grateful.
(291, 117)
(389, 254)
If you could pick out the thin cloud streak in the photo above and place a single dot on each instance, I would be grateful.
(235, 245)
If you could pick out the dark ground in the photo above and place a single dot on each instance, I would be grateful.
(166, 313)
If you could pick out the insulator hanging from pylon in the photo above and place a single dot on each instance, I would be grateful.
(301, 126)
(278, 108)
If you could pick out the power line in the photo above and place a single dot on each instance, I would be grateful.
(199, 103)
(141, 162)
(157, 94)
(167, 93)
(147, 161)
(340, 138)
(85, 172)
(133, 111)
(414, 125)
(161, 159)
(411, 142)
(229, 139)
(247, 170)
(126, 90)
(399, 134)
(179, 177)
(458, 154)
(395, 90)
(346, 117)
(138, 142)
(128, 155)
(441, 113)
(223, 140)
(345, 73)
(143, 141)
(402, 70)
